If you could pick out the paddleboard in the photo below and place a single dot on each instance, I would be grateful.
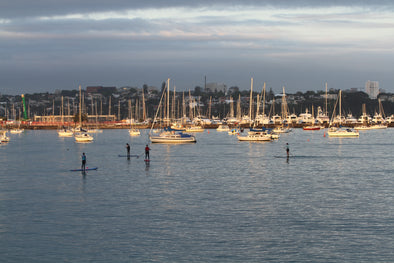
(291, 156)
(81, 170)
(131, 155)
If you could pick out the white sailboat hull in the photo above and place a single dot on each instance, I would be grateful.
(343, 133)
(134, 132)
(172, 138)
(83, 137)
(255, 137)
(16, 131)
(65, 133)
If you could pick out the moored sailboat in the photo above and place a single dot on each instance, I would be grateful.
(81, 136)
(341, 131)
(169, 135)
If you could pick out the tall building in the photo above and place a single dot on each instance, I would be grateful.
(372, 89)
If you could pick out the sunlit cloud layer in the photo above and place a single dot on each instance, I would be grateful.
(297, 43)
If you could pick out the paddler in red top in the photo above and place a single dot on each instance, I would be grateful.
(147, 149)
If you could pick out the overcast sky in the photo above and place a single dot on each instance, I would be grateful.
(47, 45)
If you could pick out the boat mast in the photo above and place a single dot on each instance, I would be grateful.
(168, 102)
(80, 106)
(183, 105)
(231, 107)
(340, 107)
(258, 105)
(143, 105)
(190, 107)
(119, 110)
(62, 111)
(129, 111)
(109, 106)
(173, 104)
(264, 100)
(251, 99)
(284, 104)
(239, 113)
(91, 99)
(210, 107)
(68, 106)
(326, 100)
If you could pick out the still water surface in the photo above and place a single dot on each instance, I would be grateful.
(218, 200)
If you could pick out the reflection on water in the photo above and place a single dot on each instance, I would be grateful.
(216, 200)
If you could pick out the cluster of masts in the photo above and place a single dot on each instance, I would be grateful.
(259, 118)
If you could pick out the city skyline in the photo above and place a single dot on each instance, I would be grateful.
(50, 46)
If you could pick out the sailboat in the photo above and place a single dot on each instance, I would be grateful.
(261, 119)
(312, 127)
(378, 120)
(341, 131)
(16, 130)
(284, 113)
(81, 136)
(64, 132)
(133, 131)
(169, 135)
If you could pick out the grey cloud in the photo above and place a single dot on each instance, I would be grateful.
(28, 8)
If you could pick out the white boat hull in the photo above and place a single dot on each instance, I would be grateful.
(172, 138)
(16, 131)
(255, 137)
(84, 137)
(194, 129)
(134, 132)
(346, 133)
(66, 133)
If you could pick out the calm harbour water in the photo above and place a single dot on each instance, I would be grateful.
(218, 200)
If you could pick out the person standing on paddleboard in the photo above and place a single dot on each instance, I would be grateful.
(287, 149)
(83, 161)
(128, 149)
(147, 149)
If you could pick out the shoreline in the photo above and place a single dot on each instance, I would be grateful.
(55, 126)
